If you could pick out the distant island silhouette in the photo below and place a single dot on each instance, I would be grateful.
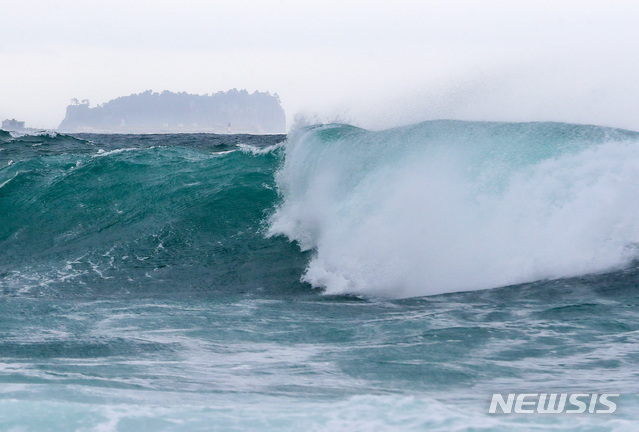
(234, 111)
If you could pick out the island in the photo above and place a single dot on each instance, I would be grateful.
(233, 111)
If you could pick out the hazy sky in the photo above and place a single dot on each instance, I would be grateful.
(373, 63)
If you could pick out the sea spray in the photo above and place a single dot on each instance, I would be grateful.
(452, 206)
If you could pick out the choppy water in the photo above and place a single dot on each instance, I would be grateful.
(146, 284)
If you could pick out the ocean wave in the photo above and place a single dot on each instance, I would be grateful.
(5, 136)
(136, 216)
(451, 206)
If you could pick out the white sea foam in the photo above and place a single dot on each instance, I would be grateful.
(102, 152)
(257, 151)
(234, 413)
(442, 208)
(223, 153)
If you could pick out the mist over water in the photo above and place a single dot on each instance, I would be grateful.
(375, 66)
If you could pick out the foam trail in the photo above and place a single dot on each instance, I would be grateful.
(452, 206)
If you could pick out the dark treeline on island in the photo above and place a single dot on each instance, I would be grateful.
(234, 111)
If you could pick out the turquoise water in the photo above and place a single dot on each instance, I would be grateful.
(335, 279)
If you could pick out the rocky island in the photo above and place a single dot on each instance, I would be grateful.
(234, 111)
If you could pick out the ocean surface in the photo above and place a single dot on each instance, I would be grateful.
(335, 279)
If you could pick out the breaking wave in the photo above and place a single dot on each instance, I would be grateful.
(449, 206)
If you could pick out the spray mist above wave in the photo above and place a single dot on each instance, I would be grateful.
(450, 206)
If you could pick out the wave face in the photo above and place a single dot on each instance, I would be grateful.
(161, 214)
(450, 206)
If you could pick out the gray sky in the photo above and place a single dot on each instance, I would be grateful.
(372, 63)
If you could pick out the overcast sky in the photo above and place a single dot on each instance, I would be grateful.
(372, 63)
